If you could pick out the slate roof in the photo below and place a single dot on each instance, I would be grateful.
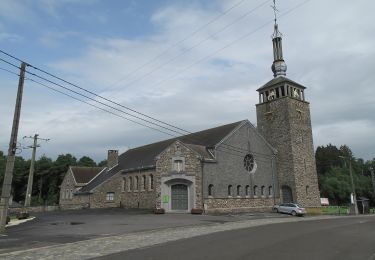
(144, 156)
(279, 80)
(102, 177)
(85, 174)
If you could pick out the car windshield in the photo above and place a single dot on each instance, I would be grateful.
(299, 206)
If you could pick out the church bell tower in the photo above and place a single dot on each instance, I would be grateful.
(283, 118)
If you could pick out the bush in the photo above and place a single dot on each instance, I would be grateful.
(196, 211)
(22, 215)
(159, 211)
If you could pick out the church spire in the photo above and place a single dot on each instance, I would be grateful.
(278, 66)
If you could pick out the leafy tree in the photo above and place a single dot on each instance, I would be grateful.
(102, 163)
(86, 161)
(326, 158)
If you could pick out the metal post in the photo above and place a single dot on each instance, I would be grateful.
(31, 173)
(7, 183)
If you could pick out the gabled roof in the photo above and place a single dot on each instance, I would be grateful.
(101, 178)
(278, 80)
(83, 175)
(144, 156)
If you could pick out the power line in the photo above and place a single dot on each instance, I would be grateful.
(134, 111)
(96, 95)
(194, 46)
(90, 92)
(14, 73)
(227, 45)
(189, 138)
(103, 109)
(177, 43)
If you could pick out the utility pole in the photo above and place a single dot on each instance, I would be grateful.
(31, 172)
(7, 183)
(372, 178)
(352, 184)
(353, 187)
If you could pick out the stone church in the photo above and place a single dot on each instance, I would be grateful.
(233, 167)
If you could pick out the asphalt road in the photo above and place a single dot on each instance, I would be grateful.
(343, 238)
(61, 227)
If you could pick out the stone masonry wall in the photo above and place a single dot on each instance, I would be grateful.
(138, 195)
(213, 205)
(229, 168)
(98, 199)
(192, 167)
(285, 123)
(67, 188)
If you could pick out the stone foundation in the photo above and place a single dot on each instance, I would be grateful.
(234, 205)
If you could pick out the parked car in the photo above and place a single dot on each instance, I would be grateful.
(290, 208)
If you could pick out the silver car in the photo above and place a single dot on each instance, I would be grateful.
(290, 208)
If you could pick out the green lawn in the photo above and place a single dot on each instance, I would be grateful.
(341, 210)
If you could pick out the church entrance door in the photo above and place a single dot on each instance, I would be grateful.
(180, 199)
(286, 192)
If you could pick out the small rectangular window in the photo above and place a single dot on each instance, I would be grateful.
(110, 196)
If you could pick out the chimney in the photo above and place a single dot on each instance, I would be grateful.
(112, 158)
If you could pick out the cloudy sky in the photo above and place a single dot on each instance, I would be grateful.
(195, 64)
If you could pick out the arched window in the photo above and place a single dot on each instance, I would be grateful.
(229, 190)
(151, 182)
(255, 191)
(262, 190)
(124, 184)
(247, 190)
(307, 190)
(238, 190)
(136, 183)
(270, 191)
(71, 194)
(130, 183)
(210, 190)
(144, 185)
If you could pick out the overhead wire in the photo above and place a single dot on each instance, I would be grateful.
(177, 43)
(227, 46)
(195, 45)
(237, 150)
(96, 95)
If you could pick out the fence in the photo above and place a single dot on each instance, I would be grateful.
(34, 209)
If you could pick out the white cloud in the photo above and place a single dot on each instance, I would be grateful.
(327, 46)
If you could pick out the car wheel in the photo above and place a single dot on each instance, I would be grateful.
(294, 213)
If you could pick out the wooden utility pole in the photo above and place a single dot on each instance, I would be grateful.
(31, 172)
(7, 183)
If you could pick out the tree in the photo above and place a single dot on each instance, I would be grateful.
(86, 161)
(103, 163)
(326, 158)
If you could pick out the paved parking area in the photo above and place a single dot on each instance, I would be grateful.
(61, 227)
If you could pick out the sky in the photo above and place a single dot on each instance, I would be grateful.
(195, 64)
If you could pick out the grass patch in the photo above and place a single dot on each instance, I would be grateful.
(335, 210)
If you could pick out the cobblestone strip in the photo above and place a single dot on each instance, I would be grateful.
(107, 245)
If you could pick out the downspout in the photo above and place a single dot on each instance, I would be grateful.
(273, 178)
(202, 193)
